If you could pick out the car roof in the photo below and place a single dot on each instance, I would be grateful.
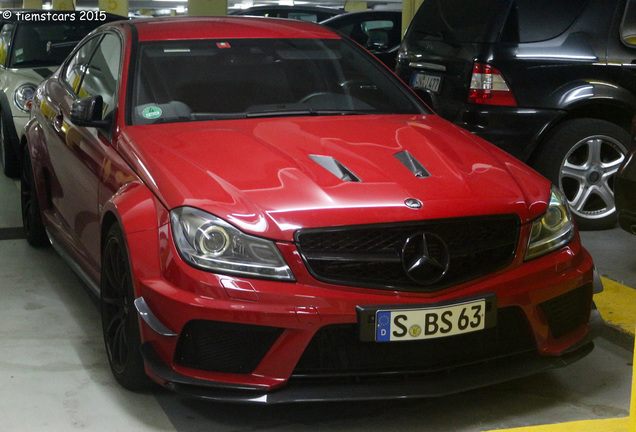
(227, 28)
(285, 8)
(361, 15)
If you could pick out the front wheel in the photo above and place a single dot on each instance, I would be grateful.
(119, 318)
(582, 157)
(10, 161)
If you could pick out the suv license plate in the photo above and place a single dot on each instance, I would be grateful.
(428, 323)
(427, 82)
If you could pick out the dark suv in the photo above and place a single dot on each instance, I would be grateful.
(553, 82)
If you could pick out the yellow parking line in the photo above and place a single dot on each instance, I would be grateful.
(609, 425)
(617, 305)
(632, 409)
(623, 424)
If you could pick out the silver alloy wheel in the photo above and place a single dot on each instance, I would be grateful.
(587, 175)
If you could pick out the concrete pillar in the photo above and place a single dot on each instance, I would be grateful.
(355, 6)
(32, 4)
(409, 8)
(117, 7)
(63, 5)
(207, 7)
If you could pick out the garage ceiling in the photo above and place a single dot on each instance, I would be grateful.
(233, 4)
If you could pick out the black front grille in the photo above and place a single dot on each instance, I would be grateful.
(224, 347)
(337, 349)
(569, 311)
(372, 255)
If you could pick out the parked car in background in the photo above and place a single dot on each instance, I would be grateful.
(551, 82)
(318, 234)
(379, 31)
(303, 13)
(30, 51)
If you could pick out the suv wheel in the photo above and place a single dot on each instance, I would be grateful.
(581, 157)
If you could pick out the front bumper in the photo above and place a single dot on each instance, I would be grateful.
(423, 385)
(227, 338)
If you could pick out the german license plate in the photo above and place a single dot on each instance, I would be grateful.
(427, 82)
(429, 323)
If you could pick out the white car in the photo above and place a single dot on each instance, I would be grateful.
(32, 45)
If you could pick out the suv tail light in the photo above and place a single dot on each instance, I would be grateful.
(488, 87)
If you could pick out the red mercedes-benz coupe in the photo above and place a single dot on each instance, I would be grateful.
(267, 214)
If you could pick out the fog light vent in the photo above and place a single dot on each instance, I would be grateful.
(569, 311)
(224, 347)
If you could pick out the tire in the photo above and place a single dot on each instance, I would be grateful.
(10, 160)
(582, 157)
(119, 318)
(31, 215)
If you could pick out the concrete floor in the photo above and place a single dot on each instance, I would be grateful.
(54, 375)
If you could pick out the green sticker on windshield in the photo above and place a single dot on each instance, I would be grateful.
(151, 112)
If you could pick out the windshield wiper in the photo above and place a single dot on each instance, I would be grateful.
(336, 112)
(217, 116)
(306, 112)
(281, 113)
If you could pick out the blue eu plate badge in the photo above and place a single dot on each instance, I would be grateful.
(383, 322)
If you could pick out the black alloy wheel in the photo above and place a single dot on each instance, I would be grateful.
(119, 318)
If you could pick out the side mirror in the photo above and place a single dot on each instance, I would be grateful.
(87, 112)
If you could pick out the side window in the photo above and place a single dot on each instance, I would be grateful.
(303, 16)
(5, 42)
(102, 74)
(373, 34)
(628, 24)
(381, 33)
(75, 68)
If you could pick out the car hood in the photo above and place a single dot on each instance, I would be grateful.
(273, 176)
(35, 75)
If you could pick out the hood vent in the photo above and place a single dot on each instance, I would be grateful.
(335, 168)
(409, 161)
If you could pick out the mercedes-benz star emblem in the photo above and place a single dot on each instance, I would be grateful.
(425, 258)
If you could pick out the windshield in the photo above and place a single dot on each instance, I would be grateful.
(244, 78)
(47, 43)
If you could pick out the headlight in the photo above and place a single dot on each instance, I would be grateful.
(24, 94)
(211, 244)
(554, 230)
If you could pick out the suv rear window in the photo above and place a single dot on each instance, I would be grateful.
(546, 19)
(477, 20)
(455, 20)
